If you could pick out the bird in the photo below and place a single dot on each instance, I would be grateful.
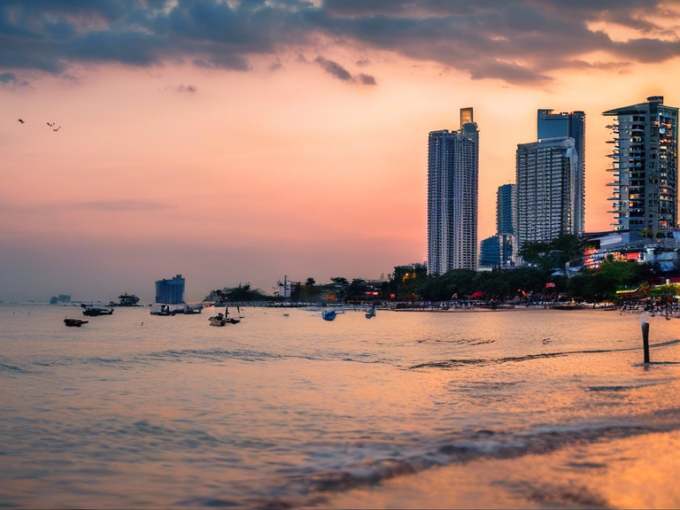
(21, 120)
(57, 129)
(51, 124)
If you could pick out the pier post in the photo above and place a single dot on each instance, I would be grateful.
(645, 339)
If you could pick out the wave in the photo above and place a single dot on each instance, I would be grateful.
(13, 369)
(309, 488)
(452, 363)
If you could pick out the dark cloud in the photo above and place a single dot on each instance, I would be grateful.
(334, 69)
(9, 80)
(518, 41)
(366, 79)
(339, 72)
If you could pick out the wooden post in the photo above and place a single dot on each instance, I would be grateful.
(645, 339)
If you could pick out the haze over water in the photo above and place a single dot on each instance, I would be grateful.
(284, 411)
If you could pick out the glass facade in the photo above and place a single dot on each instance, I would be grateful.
(170, 292)
(569, 125)
(452, 189)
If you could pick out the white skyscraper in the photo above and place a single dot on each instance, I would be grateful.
(547, 190)
(453, 168)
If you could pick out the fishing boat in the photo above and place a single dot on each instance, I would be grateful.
(222, 320)
(74, 323)
(328, 315)
(218, 320)
(164, 310)
(93, 311)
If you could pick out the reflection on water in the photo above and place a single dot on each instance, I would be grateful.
(136, 410)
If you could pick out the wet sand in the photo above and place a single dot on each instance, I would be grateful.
(632, 472)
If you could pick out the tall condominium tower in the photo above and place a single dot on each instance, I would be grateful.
(645, 166)
(505, 209)
(452, 182)
(170, 291)
(546, 194)
(571, 125)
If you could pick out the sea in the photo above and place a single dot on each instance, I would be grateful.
(286, 410)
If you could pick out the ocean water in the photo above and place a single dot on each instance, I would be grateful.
(286, 410)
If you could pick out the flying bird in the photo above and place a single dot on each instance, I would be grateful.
(57, 129)
(21, 120)
(50, 124)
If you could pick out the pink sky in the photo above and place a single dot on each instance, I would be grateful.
(231, 176)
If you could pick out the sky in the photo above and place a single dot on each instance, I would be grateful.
(238, 142)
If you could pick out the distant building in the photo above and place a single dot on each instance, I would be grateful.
(170, 292)
(286, 288)
(508, 250)
(128, 300)
(505, 209)
(569, 125)
(490, 252)
(546, 195)
(645, 166)
(453, 167)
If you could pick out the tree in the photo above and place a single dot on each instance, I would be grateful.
(310, 282)
(646, 233)
(340, 280)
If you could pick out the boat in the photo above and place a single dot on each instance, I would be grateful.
(218, 321)
(328, 315)
(371, 313)
(74, 322)
(93, 311)
(164, 311)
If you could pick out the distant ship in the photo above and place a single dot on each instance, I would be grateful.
(93, 311)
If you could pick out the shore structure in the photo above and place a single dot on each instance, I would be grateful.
(453, 170)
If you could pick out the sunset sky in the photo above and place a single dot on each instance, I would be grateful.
(243, 141)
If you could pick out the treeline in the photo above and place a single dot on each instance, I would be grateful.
(523, 283)
(544, 278)
(240, 294)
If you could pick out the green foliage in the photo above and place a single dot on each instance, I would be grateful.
(555, 254)
(310, 282)
(237, 294)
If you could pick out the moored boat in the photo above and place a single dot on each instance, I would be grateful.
(93, 311)
(328, 315)
(74, 322)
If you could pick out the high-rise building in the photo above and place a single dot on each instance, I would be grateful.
(490, 252)
(546, 194)
(645, 166)
(452, 188)
(570, 125)
(505, 209)
(170, 292)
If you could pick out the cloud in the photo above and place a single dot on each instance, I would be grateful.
(334, 69)
(122, 205)
(366, 79)
(190, 89)
(9, 80)
(339, 72)
(518, 41)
